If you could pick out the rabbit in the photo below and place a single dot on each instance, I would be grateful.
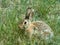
(39, 28)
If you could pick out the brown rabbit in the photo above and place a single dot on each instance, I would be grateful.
(38, 28)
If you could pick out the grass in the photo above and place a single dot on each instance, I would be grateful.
(12, 11)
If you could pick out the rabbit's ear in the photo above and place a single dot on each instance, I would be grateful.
(29, 13)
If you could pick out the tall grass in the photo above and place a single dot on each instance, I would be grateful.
(12, 11)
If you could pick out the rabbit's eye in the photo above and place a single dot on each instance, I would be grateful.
(25, 22)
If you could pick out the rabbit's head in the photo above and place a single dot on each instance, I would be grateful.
(27, 18)
(24, 24)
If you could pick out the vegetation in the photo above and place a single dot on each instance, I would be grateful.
(12, 11)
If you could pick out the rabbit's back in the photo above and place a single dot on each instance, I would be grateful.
(41, 28)
(41, 25)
